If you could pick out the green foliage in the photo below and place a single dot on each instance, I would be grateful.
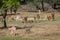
(12, 4)
(4, 3)
(9, 4)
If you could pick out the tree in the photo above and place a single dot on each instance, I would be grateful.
(5, 4)
(42, 5)
(2, 9)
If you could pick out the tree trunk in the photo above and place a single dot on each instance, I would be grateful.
(54, 6)
(4, 20)
(42, 5)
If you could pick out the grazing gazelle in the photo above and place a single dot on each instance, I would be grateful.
(12, 30)
(49, 17)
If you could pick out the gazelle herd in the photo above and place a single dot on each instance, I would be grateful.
(35, 18)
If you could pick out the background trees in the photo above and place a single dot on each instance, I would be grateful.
(42, 2)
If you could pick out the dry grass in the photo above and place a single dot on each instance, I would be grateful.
(49, 30)
(40, 31)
